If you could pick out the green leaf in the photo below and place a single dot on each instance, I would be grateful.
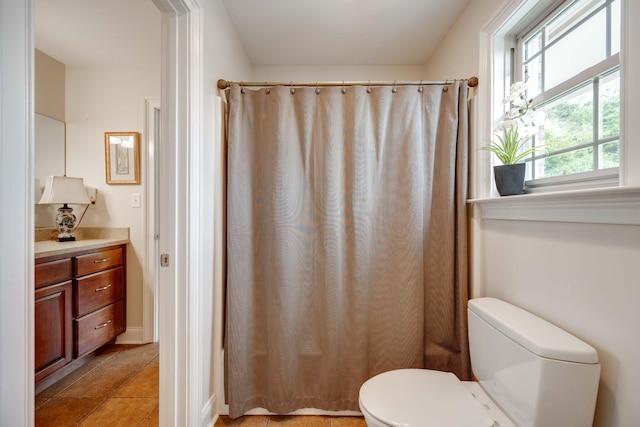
(509, 148)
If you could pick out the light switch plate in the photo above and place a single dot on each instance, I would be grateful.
(164, 260)
(135, 200)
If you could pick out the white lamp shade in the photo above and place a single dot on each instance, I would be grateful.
(64, 189)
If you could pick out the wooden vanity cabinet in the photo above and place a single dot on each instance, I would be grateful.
(79, 306)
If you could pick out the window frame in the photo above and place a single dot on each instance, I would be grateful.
(587, 77)
(494, 72)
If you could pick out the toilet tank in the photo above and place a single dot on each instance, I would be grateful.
(539, 374)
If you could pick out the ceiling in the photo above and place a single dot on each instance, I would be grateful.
(98, 32)
(273, 32)
(342, 32)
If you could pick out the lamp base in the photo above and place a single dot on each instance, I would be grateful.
(66, 222)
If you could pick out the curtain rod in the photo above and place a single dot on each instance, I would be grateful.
(225, 84)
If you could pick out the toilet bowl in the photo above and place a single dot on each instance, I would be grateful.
(529, 372)
(426, 398)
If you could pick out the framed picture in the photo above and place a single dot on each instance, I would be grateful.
(122, 153)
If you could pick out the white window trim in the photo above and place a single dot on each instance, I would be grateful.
(622, 202)
(613, 205)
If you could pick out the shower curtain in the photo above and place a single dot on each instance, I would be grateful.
(346, 240)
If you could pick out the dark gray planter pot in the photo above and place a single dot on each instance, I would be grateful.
(510, 178)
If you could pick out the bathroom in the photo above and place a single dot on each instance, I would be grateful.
(580, 274)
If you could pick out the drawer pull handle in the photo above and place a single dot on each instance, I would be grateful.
(98, 261)
(103, 325)
(104, 288)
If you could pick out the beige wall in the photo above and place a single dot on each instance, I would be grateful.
(111, 99)
(49, 86)
(582, 277)
(92, 100)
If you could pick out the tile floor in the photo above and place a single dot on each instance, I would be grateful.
(119, 387)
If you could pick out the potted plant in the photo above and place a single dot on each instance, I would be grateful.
(513, 134)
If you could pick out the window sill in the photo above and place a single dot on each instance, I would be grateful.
(613, 205)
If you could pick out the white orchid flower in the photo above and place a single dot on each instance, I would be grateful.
(513, 113)
(518, 87)
(520, 102)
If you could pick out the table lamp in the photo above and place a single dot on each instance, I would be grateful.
(64, 190)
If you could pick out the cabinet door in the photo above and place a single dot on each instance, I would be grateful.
(53, 329)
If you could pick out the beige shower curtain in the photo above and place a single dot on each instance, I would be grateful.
(346, 242)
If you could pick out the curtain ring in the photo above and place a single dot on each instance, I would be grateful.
(344, 89)
(446, 86)
(242, 90)
(292, 90)
(395, 88)
(420, 88)
(268, 89)
(317, 89)
(369, 87)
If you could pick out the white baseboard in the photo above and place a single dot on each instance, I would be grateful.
(306, 411)
(133, 335)
(209, 415)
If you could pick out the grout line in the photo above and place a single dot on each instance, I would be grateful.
(104, 398)
(150, 414)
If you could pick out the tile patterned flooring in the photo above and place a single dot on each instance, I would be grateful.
(119, 387)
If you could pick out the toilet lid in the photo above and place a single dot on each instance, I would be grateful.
(421, 397)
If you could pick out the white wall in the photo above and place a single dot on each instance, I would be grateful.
(311, 73)
(111, 99)
(583, 277)
(457, 55)
(224, 58)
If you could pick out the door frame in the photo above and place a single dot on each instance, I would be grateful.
(180, 222)
(17, 213)
(150, 275)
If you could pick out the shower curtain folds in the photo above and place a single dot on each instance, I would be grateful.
(346, 240)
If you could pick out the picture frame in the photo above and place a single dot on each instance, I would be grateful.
(122, 155)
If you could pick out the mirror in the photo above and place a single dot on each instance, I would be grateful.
(49, 159)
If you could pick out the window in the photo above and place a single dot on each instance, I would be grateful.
(618, 202)
(570, 64)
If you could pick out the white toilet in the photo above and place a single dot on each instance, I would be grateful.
(530, 373)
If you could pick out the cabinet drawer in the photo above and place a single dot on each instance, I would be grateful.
(98, 290)
(98, 328)
(98, 261)
(53, 272)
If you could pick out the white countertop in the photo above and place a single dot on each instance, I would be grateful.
(87, 238)
(51, 247)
